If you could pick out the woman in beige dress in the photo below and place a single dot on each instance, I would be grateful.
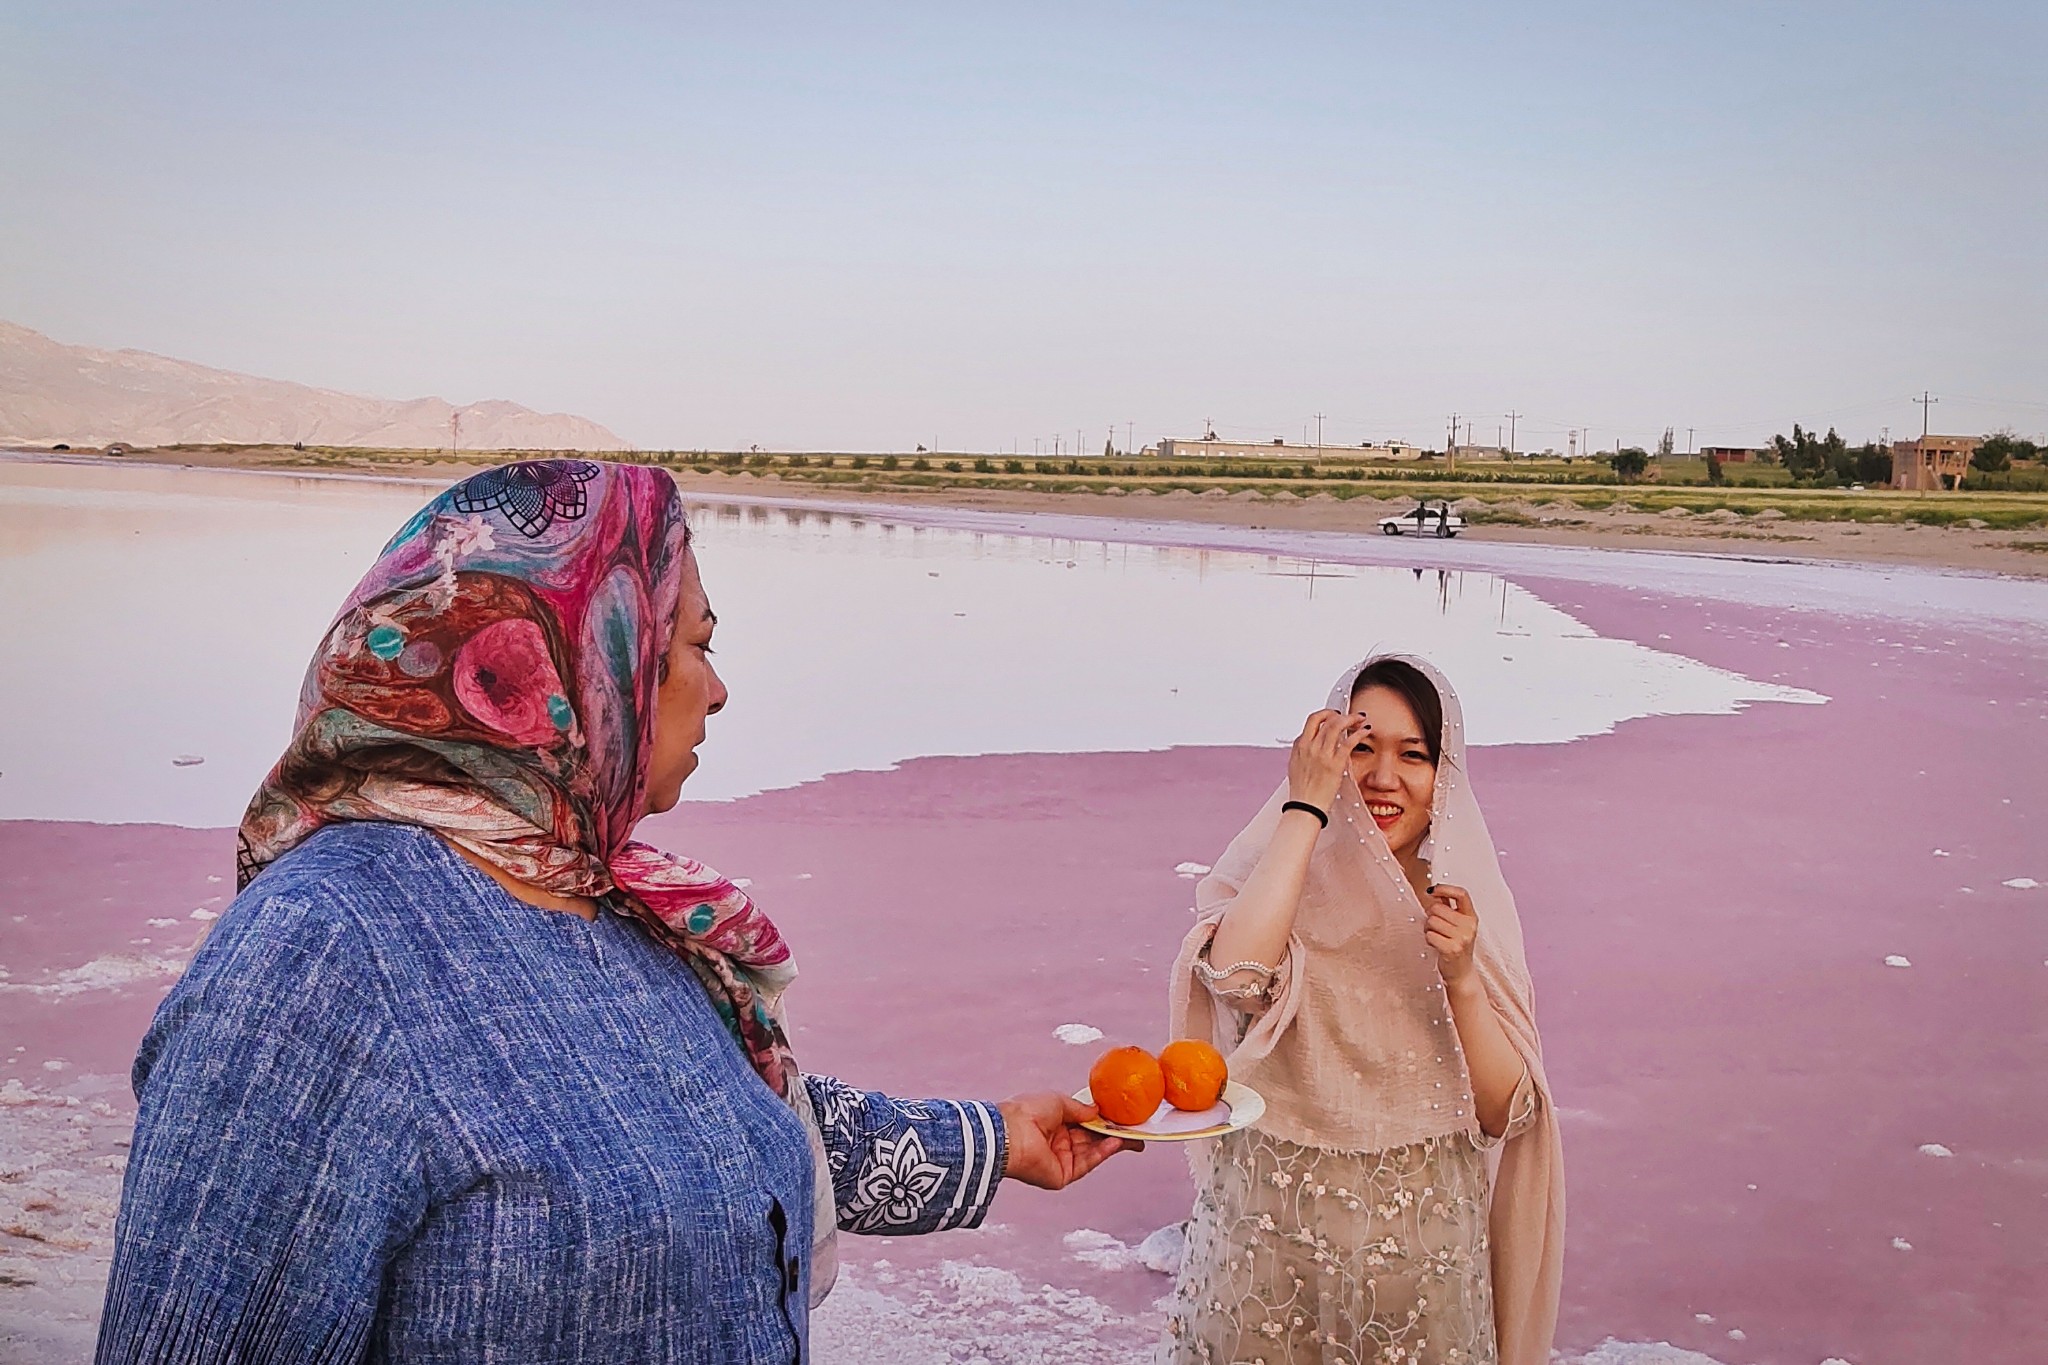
(1358, 958)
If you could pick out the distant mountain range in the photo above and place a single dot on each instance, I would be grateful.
(51, 392)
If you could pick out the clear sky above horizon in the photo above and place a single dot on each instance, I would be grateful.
(864, 227)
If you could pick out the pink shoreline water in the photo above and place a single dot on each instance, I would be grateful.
(1708, 901)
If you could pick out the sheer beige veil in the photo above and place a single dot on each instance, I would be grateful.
(1358, 1052)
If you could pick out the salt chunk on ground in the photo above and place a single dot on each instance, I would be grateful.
(1934, 1149)
(1164, 1250)
(1901, 1244)
(202, 913)
(2022, 883)
(1702, 1317)
(1896, 960)
(187, 761)
(743, 882)
(1941, 853)
(1077, 1034)
(1737, 1334)
(1192, 869)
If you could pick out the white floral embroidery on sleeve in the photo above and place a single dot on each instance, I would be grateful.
(895, 1185)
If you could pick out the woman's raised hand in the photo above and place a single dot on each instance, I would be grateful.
(1452, 930)
(1322, 756)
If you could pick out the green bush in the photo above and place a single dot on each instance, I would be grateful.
(952, 466)
(1013, 466)
(889, 462)
(920, 463)
(982, 466)
(860, 462)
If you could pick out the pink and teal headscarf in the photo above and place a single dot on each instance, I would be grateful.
(492, 678)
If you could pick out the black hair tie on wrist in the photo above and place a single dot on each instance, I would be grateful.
(1322, 817)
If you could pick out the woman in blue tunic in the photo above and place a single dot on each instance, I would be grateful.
(467, 1074)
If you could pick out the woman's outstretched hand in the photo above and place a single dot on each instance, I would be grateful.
(1048, 1146)
(1321, 757)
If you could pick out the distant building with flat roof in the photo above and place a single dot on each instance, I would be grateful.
(1734, 454)
(1178, 448)
(1934, 463)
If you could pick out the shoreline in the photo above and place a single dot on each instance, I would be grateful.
(2009, 553)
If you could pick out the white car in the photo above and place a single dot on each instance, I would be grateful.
(1425, 520)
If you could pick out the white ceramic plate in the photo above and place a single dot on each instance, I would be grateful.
(1239, 1108)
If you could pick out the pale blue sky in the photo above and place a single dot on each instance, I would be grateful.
(868, 226)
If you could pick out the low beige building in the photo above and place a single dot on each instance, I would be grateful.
(1177, 448)
(1933, 462)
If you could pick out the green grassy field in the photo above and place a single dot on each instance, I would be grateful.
(1500, 492)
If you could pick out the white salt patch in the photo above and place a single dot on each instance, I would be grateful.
(1737, 1334)
(202, 913)
(1192, 870)
(1934, 1149)
(210, 877)
(1897, 960)
(55, 1064)
(743, 882)
(803, 876)
(1612, 1352)
(187, 761)
(162, 923)
(1834, 1360)
(1077, 1034)
(1703, 1317)
(1901, 1244)
(102, 973)
(1100, 1250)
(1941, 853)
(2022, 883)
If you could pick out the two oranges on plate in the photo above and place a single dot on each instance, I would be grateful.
(1128, 1083)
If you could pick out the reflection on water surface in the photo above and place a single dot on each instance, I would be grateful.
(155, 614)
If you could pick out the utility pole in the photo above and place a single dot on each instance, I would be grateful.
(1926, 402)
(1451, 450)
(1319, 437)
(1129, 448)
(454, 431)
(1688, 440)
(1513, 417)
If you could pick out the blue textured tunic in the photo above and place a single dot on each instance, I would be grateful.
(392, 1114)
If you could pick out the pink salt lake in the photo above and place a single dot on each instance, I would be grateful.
(966, 754)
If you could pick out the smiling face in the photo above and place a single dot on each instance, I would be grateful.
(1392, 767)
(690, 691)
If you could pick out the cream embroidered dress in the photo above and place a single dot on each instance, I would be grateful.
(1366, 1219)
(1300, 1253)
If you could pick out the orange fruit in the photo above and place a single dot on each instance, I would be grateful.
(1127, 1085)
(1194, 1073)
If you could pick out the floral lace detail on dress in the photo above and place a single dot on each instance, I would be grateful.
(1296, 1254)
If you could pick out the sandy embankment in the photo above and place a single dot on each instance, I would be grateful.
(1550, 521)
(1755, 1104)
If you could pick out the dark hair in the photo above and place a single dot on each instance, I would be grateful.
(1414, 687)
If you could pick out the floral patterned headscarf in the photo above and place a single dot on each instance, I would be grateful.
(492, 678)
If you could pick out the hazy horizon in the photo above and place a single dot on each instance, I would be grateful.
(807, 227)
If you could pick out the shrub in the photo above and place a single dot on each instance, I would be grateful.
(920, 463)
(952, 466)
(799, 461)
(1013, 466)
(860, 462)
(889, 462)
(982, 466)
